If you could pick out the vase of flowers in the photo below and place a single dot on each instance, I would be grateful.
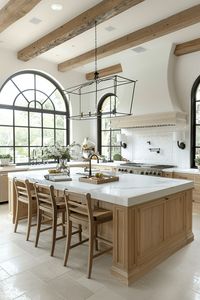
(59, 153)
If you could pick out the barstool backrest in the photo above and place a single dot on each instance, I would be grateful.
(79, 204)
(45, 195)
(23, 189)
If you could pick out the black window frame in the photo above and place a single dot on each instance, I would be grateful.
(100, 130)
(41, 110)
(193, 122)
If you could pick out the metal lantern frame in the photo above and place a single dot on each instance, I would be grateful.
(111, 83)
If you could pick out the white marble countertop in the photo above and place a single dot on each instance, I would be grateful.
(131, 189)
(13, 168)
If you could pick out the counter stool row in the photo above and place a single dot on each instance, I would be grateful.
(76, 210)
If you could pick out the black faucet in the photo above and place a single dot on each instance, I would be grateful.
(90, 162)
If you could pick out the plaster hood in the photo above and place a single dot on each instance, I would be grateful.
(171, 120)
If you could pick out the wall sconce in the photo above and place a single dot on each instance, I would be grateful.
(179, 137)
(121, 138)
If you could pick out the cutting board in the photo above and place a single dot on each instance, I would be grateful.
(95, 180)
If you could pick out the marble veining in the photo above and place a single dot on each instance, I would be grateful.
(129, 190)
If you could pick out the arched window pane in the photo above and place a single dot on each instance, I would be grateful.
(56, 98)
(42, 84)
(24, 81)
(107, 137)
(40, 97)
(35, 137)
(21, 136)
(48, 137)
(60, 137)
(60, 121)
(198, 93)
(6, 136)
(48, 120)
(21, 118)
(21, 155)
(35, 119)
(21, 101)
(25, 126)
(29, 95)
(48, 105)
(6, 117)
(8, 93)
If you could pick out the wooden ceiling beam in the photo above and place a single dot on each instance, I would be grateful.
(187, 47)
(101, 12)
(14, 10)
(115, 69)
(171, 24)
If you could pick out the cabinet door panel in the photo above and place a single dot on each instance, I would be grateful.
(3, 187)
(150, 221)
(196, 193)
(175, 217)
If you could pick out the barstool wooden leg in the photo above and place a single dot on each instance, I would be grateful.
(68, 241)
(29, 221)
(63, 221)
(54, 229)
(90, 252)
(95, 236)
(80, 232)
(16, 216)
(39, 218)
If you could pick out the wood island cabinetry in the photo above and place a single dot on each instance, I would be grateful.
(196, 190)
(147, 226)
(3, 187)
(149, 233)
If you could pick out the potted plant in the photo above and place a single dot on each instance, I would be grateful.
(5, 159)
(197, 161)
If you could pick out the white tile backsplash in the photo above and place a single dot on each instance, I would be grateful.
(138, 147)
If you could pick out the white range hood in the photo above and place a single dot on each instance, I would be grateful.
(173, 120)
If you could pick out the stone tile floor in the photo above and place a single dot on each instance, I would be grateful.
(28, 273)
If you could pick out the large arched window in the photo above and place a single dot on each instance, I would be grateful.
(33, 113)
(107, 137)
(195, 121)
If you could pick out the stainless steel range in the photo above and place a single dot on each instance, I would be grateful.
(143, 169)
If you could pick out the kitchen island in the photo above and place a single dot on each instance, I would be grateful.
(152, 217)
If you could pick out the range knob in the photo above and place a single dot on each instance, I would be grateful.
(154, 173)
(150, 173)
(146, 173)
(119, 170)
(131, 171)
(125, 170)
(142, 173)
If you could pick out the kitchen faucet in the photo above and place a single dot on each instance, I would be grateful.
(90, 162)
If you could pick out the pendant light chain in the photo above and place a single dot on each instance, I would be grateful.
(96, 74)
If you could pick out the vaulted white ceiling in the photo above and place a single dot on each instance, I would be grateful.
(23, 32)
